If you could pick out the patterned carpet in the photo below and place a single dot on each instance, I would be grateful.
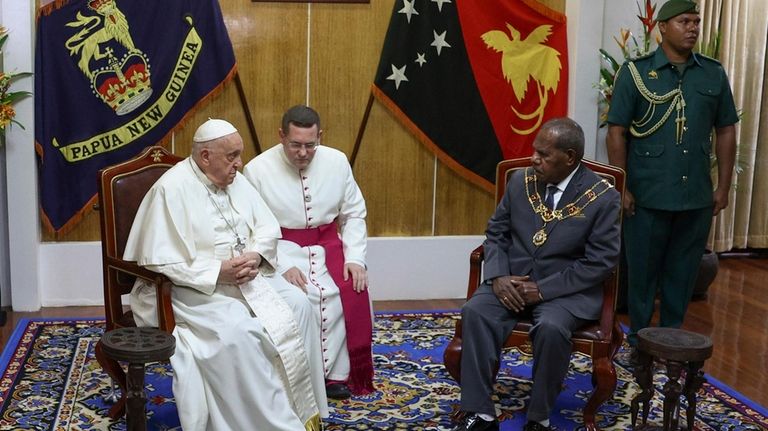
(51, 381)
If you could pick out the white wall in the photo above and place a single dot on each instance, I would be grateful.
(57, 274)
(584, 67)
(399, 268)
(21, 262)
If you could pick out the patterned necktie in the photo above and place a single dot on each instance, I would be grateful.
(549, 201)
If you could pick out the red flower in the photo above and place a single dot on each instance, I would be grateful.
(648, 22)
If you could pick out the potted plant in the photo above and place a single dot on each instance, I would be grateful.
(8, 98)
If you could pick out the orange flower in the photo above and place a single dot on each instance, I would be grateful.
(625, 33)
(6, 115)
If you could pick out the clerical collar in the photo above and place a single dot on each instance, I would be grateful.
(288, 161)
(564, 183)
(202, 177)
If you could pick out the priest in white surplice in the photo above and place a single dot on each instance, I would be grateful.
(247, 350)
(311, 191)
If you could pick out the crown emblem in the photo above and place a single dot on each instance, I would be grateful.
(98, 4)
(119, 75)
(124, 84)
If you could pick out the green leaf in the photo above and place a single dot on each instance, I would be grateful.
(16, 95)
(15, 76)
(607, 76)
(608, 58)
(18, 124)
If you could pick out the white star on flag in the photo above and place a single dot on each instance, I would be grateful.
(398, 75)
(408, 9)
(439, 41)
(440, 4)
(421, 59)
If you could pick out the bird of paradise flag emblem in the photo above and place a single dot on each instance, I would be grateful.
(525, 59)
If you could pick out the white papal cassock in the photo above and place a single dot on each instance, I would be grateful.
(323, 192)
(247, 357)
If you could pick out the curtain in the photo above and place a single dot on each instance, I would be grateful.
(743, 27)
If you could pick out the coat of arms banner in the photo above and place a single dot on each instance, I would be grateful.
(112, 77)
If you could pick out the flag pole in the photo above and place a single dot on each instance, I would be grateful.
(248, 118)
(361, 130)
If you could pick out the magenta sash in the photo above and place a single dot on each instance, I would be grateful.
(356, 306)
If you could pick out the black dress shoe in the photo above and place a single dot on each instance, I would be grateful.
(473, 422)
(337, 391)
(535, 426)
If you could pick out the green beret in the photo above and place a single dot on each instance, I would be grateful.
(673, 8)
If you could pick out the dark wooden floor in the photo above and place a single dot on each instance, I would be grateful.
(734, 315)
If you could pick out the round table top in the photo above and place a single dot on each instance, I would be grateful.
(674, 344)
(138, 345)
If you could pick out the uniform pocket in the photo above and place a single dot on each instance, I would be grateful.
(649, 150)
(704, 104)
(646, 163)
(709, 91)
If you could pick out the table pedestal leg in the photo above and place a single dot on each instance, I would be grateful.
(672, 390)
(136, 416)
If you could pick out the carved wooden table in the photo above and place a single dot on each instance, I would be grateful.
(137, 347)
(677, 350)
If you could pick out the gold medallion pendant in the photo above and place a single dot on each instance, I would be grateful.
(572, 209)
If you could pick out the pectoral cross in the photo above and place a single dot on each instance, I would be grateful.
(239, 245)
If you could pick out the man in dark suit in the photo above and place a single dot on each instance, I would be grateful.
(546, 254)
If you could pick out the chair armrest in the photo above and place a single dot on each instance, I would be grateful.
(608, 311)
(475, 266)
(165, 318)
(134, 269)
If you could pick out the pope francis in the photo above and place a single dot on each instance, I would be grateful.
(247, 351)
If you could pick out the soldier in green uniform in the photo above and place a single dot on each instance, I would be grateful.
(664, 109)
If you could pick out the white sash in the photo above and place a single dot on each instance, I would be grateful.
(277, 318)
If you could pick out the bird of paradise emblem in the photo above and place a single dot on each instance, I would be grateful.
(524, 59)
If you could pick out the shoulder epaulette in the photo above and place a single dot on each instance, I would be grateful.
(643, 57)
(706, 57)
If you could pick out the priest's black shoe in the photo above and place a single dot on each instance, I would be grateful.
(535, 426)
(473, 422)
(337, 391)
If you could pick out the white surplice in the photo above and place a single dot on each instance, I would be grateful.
(323, 192)
(247, 357)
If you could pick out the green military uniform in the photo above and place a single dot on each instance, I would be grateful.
(670, 111)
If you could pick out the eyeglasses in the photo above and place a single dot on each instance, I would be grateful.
(309, 146)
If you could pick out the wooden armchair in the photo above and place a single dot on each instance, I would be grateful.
(600, 339)
(121, 190)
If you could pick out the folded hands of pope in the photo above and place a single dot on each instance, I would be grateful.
(240, 269)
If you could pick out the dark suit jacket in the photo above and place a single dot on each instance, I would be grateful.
(579, 254)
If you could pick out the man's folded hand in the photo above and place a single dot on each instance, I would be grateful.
(529, 291)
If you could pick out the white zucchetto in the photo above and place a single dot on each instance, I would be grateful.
(213, 129)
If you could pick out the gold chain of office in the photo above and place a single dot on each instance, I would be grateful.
(570, 210)
(675, 100)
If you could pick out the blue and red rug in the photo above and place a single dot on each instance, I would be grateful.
(51, 381)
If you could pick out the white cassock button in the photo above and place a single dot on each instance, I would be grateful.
(307, 198)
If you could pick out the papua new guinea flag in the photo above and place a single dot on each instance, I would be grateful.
(474, 80)
(111, 78)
